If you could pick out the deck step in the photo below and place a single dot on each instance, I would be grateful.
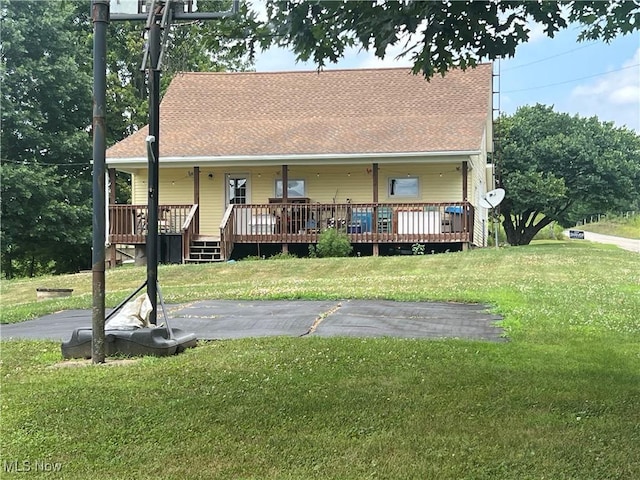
(205, 244)
(205, 250)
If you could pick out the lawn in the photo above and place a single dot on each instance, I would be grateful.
(560, 400)
(619, 226)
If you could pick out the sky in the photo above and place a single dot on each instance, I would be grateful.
(579, 78)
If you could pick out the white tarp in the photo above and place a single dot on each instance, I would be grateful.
(134, 314)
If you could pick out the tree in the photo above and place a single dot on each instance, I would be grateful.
(191, 47)
(557, 167)
(46, 139)
(42, 229)
(46, 103)
(46, 79)
(437, 35)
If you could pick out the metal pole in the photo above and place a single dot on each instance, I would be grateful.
(100, 16)
(154, 52)
(154, 131)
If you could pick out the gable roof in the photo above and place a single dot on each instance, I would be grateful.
(334, 112)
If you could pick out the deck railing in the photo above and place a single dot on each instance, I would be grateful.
(362, 222)
(290, 223)
(128, 223)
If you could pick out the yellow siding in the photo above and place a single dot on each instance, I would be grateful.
(211, 200)
(138, 190)
(478, 187)
(439, 182)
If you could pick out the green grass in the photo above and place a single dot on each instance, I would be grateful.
(560, 400)
(543, 289)
(627, 227)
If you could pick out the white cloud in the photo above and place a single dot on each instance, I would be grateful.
(275, 59)
(369, 60)
(259, 8)
(625, 95)
(614, 96)
(536, 32)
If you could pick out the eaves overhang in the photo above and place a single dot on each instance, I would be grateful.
(298, 159)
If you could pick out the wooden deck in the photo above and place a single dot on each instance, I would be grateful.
(363, 223)
(301, 222)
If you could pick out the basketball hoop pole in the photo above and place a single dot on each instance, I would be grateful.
(158, 18)
(100, 17)
(153, 160)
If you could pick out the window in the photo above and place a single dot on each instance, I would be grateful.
(296, 188)
(403, 187)
(237, 192)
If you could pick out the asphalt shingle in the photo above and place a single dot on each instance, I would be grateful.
(331, 112)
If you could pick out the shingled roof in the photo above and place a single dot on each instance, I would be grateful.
(333, 112)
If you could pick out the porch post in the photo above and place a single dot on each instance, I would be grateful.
(196, 185)
(285, 200)
(465, 174)
(112, 182)
(465, 197)
(285, 183)
(196, 195)
(375, 183)
(374, 220)
(112, 201)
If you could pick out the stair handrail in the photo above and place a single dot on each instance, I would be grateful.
(226, 232)
(189, 229)
(190, 217)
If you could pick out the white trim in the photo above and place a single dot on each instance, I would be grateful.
(324, 158)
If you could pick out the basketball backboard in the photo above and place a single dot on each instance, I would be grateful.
(124, 6)
(134, 7)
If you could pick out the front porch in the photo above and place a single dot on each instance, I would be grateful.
(295, 222)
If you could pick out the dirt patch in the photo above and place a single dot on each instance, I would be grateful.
(87, 362)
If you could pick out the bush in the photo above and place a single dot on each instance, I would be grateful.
(331, 243)
(552, 231)
(282, 256)
(502, 237)
(417, 249)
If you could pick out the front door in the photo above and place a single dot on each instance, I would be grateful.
(238, 193)
(237, 189)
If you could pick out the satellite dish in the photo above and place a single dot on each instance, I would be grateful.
(492, 198)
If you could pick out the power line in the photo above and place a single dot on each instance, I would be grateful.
(41, 164)
(572, 80)
(544, 59)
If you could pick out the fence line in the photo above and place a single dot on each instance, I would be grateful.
(598, 217)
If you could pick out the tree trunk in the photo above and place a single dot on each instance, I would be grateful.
(520, 232)
(7, 266)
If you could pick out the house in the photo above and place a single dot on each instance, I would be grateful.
(385, 155)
